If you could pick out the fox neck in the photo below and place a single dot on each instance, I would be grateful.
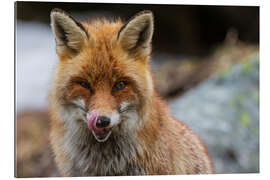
(154, 119)
(113, 157)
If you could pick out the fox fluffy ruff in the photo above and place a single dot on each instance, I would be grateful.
(104, 67)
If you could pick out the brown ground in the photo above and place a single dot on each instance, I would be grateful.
(34, 156)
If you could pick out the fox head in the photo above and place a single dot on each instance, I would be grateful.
(103, 81)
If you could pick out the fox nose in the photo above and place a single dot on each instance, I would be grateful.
(103, 122)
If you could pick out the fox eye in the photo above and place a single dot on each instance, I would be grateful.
(84, 85)
(120, 85)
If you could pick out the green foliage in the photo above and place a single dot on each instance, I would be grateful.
(238, 101)
(256, 96)
(245, 119)
(248, 67)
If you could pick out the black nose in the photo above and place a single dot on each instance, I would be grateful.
(103, 122)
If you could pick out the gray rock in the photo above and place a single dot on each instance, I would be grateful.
(224, 111)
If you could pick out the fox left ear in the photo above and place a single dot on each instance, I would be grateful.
(69, 33)
(136, 35)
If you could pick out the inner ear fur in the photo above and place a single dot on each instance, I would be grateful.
(136, 34)
(69, 33)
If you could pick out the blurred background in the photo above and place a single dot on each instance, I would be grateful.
(205, 62)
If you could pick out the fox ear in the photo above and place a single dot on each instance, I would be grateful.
(136, 34)
(69, 33)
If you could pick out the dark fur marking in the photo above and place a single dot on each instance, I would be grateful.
(142, 36)
(63, 33)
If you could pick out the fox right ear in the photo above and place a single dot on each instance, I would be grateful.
(136, 35)
(69, 33)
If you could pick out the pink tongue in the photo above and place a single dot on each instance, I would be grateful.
(92, 119)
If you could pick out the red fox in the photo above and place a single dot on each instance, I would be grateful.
(106, 117)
